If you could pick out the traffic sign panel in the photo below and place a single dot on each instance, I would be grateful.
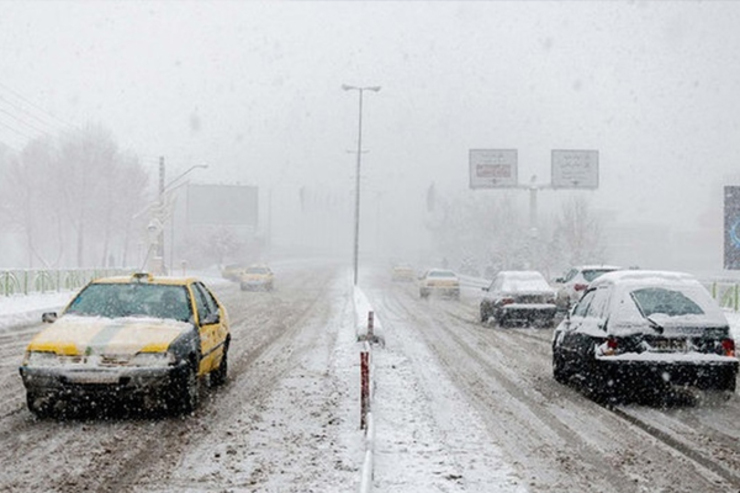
(575, 169)
(493, 168)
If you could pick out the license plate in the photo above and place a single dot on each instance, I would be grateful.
(669, 345)
(93, 378)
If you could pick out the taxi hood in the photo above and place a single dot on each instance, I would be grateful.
(77, 335)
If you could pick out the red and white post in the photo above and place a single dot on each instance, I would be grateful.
(364, 388)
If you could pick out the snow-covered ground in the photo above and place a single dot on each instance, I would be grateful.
(428, 438)
(427, 435)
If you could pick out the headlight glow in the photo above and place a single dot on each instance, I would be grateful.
(42, 358)
(153, 359)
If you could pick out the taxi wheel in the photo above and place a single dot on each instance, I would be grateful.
(186, 392)
(218, 376)
(559, 373)
(40, 410)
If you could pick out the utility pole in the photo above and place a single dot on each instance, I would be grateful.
(160, 237)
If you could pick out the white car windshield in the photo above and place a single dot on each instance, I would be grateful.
(670, 305)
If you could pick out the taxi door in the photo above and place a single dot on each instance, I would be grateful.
(211, 327)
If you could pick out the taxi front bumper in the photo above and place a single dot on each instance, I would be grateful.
(116, 382)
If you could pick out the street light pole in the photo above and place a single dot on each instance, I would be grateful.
(360, 90)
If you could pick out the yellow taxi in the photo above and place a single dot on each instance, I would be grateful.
(403, 273)
(232, 272)
(257, 277)
(124, 337)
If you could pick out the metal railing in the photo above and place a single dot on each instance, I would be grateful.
(27, 281)
(727, 294)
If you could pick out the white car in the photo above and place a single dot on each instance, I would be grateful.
(576, 280)
(636, 332)
(439, 281)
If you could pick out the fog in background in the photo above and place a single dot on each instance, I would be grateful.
(253, 89)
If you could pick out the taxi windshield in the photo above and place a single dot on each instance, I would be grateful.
(132, 299)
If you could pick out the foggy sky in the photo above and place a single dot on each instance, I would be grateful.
(254, 90)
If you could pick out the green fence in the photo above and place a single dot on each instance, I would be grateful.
(25, 281)
(727, 294)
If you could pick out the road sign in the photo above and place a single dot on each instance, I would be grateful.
(493, 168)
(575, 169)
(732, 228)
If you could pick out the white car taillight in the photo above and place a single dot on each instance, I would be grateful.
(728, 346)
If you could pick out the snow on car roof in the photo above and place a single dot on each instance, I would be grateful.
(599, 267)
(524, 281)
(643, 277)
(626, 318)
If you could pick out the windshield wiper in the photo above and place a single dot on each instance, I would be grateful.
(653, 324)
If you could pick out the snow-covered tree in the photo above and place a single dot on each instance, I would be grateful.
(80, 195)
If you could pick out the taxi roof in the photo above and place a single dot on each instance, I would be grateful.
(145, 278)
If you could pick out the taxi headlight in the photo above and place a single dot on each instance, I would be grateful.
(42, 358)
(153, 359)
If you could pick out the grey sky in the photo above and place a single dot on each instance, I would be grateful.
(253, 89)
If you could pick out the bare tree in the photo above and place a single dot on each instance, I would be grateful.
(577, 237)
(81, 194)
(28, 202)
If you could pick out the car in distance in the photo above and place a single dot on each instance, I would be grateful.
(439, 282)
(518, 298)
(232, 272)
(257, 278)
(129, 337)
(576, 280)
(636, 331)
(403, 273)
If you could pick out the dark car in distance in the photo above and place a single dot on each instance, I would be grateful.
(519, 298)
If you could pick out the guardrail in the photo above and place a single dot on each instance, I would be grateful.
(27, 281)
(727, 294)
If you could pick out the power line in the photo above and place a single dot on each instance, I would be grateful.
(36, 107)
(23, 122)
(26, 114)
(15, 130)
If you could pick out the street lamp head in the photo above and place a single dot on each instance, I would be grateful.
(347, 87)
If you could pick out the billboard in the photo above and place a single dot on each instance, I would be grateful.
(222, 205)
(493, 168)
(575, 169)
(732, 228)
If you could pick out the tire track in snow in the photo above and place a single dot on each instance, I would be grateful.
(539, 402)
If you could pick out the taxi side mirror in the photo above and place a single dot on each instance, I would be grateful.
(49, 317)
(212, 318)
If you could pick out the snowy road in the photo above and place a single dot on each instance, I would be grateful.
(558, 439)
(458, 407)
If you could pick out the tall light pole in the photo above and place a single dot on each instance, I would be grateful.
(360, 90)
